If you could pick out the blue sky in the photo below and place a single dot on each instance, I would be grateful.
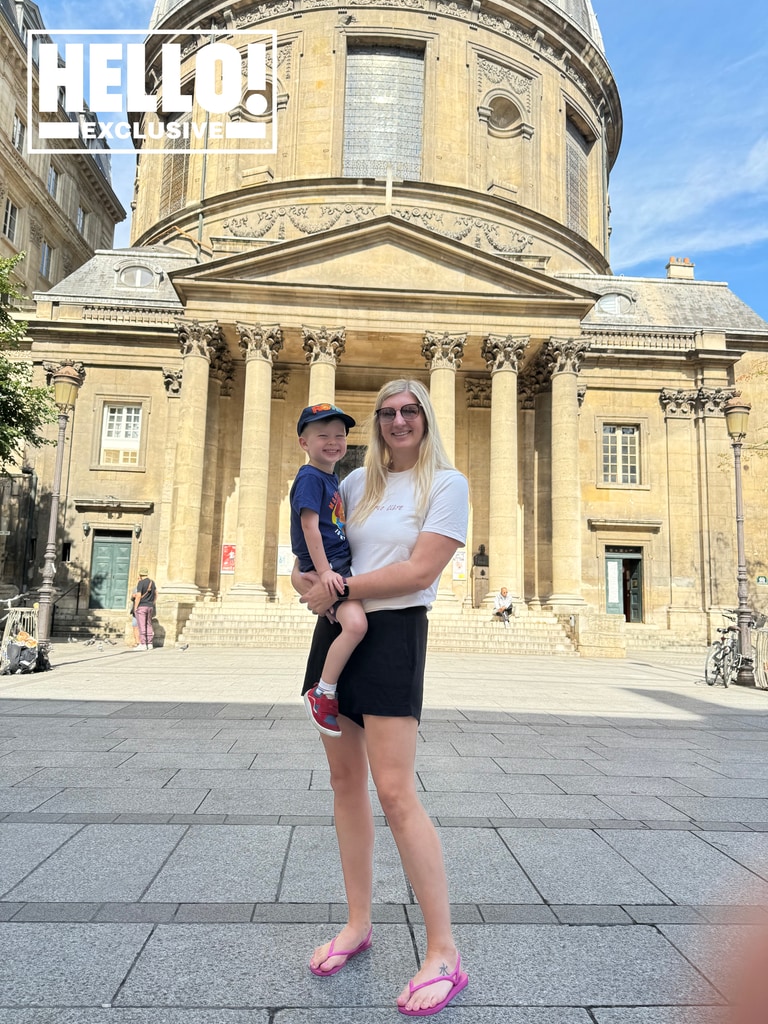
(692, 174)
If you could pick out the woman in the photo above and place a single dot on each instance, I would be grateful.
(406, 514)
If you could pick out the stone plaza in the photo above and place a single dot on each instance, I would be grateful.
(168, 850)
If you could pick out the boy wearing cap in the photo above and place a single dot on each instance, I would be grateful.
(319, 542)
(143, 598)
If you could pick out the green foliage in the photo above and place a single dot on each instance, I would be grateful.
(24, 409)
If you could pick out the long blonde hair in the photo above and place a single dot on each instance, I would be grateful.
(378, 458)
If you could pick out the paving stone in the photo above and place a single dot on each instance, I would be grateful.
(577, 866)
(749, 849)
(591, 915)
(239, 801)
(219, 913)
(662, 1015)
(558, 806)
(459, 1014)
(721, 808)
(510, 914)
(145, 1015)
(89, 965)
(620, 785)
(714, 951)
(24, 846)
(57, 912)
(641, 807)
(136, 912)
(232, 863)
(665, 914)
(481, 869)
(112, 863)
(123, 801)
(28, 799)
(107, 778)
(9, 910)
(233, 779)
(301, 913)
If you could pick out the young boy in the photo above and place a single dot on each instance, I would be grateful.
(319, 541)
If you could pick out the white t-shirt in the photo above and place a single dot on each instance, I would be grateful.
(390, 532)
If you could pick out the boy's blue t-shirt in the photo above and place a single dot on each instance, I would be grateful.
(319, 492)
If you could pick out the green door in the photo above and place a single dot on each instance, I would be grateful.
(110, 563)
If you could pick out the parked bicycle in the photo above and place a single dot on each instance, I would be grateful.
(723, 658)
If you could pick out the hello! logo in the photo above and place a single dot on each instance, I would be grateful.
(180, 91)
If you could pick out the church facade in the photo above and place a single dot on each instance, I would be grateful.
(437, 207)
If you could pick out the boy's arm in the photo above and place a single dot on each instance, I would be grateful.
(310, 525)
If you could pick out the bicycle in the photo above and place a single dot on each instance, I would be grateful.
(723, 658)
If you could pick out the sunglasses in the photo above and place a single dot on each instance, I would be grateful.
(408, 412)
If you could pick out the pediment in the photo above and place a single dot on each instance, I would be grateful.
(386, 254)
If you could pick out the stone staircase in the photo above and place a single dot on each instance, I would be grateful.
(89, 623)
(451, 628)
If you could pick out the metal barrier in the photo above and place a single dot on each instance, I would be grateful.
(760, 647)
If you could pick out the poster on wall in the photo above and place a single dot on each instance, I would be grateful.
(460, 564)
(227, 559)
(285, 560)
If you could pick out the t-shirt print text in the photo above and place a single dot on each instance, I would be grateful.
(389, 508)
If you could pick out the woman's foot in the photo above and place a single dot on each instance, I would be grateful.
(330, 958)
(419, 1001)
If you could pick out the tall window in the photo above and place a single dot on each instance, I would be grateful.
(81, 220)
(46, 259)
(173, 185)
(19, 133)
(577, 147)
(10, 218)
(53, 181)
(383, 111)
(621, 454)
(120, 435)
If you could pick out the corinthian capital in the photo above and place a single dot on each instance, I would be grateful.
(565, 355)
(503, 351)
(322, 345)
(443, 350)
(199, 338)
(478, 391)
(710, 401)
(260, 341)
(678, 402)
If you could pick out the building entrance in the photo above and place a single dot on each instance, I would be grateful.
(110, 563)
(624, 582)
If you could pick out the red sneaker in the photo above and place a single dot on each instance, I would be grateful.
(322, 711)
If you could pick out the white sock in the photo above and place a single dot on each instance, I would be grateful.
(324, 687)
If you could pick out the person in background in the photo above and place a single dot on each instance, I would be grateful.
(503, 606)
(144, 602)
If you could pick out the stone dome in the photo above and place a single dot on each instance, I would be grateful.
(581, 13)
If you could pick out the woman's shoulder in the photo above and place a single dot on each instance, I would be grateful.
(449, 478)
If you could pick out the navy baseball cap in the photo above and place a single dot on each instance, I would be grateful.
(323, 411)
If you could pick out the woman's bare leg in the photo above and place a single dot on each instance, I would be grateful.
(392, 752)
(353, 817)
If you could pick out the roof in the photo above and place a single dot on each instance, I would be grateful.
(670, 302)
(102, 280)
(581, 13)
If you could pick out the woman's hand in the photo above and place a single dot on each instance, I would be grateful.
(318, 599)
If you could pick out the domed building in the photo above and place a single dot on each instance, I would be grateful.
(436, 206)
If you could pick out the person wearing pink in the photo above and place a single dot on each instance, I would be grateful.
(144, 608)
(407, 512)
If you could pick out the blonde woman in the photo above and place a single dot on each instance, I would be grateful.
(407, 511)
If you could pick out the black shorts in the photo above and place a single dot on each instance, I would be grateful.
(385, 674)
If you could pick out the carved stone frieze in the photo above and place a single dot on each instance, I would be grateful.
(172, 382)
(280, 380)
(264, 11)
(478, 390)
(322, 345)
(35, 231)
(475, 231)
(503, 351)
(52, 368)
(565, 355)
(306, 220)
(443, 350)
(678, 403)
(199, 338)
(222, 366)
(260, 341)
(581, 393)
(491, 73)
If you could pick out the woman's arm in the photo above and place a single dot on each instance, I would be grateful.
(430, 555)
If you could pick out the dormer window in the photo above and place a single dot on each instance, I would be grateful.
(137, 276)
(615, 304)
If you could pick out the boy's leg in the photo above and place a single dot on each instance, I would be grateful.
(354, 626)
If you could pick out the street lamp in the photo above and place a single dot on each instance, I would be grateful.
(66, 384)
(736, 418)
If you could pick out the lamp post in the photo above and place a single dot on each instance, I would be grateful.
(736, 418)
(66, 384)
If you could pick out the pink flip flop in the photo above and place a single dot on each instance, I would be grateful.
(459, 981)
(365, 944)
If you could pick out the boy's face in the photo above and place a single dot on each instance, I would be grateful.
(325, 442)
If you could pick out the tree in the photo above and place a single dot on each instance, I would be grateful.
(24, 409)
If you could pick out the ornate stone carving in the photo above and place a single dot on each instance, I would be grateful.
(503, 351)
(489, 72)
(280, 380)
(443, 350)
(678, 403)
(565, 355)
(581, 392)
(710, 401)
(478, 391)
(52, 368)
(475, 231)
(307, 220)
(222, 367)
(172, 382)
(199, 338)
(322, 345)
(35, 231)
(264, 11)
(259, 341)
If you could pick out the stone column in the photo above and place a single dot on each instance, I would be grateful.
(528, 388)
(219, 381)
(478, 392)
(443, 354)
(324, 348)
(718, 531)
(199, 342)
(564, 356)
(503, 354)
(260, 346)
